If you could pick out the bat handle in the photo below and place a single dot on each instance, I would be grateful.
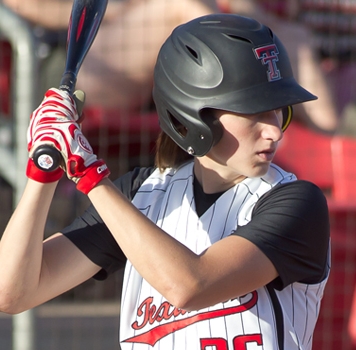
(46, 157)
(68, 82)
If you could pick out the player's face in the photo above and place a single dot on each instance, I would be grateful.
(248, 144)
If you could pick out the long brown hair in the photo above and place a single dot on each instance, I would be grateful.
(168, 153)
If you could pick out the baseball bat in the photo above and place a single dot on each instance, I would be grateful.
(85, 19)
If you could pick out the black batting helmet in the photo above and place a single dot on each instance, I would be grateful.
(220, 61)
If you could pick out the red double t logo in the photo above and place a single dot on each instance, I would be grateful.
(269, 56)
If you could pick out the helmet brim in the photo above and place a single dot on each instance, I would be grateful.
(264, 97)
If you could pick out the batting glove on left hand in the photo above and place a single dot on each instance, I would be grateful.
(54, 123)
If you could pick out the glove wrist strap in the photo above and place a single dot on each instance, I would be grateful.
(38, 175)
(95, 173)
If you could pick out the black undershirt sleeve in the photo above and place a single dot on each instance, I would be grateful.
(93, 238)
(290, 224)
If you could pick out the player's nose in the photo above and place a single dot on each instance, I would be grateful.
(272, 125)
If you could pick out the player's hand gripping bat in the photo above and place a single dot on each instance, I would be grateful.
(84, 23)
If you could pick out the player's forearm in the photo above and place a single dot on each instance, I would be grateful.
(21, 247)
(160, 259)
(187, 280)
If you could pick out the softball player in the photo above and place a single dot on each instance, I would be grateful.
(222, 248)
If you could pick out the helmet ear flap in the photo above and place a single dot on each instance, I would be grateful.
(209, 118)
(287, 117)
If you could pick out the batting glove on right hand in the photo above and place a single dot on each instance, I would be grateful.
(54, 123)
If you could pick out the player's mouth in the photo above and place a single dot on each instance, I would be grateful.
(267, 154)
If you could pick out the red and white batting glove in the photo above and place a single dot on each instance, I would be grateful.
(54, 123)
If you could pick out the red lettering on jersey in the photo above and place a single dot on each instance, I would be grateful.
(151, 314)
(217, 343)
(241, 341)
(269, 56)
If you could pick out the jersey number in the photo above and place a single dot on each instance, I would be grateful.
(240, 342)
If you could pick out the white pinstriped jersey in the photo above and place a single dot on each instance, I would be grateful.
(148, 321)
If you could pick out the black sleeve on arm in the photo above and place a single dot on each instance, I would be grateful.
(290, 224)
(94, 239)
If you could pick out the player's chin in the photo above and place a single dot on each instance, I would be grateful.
(259, 170)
